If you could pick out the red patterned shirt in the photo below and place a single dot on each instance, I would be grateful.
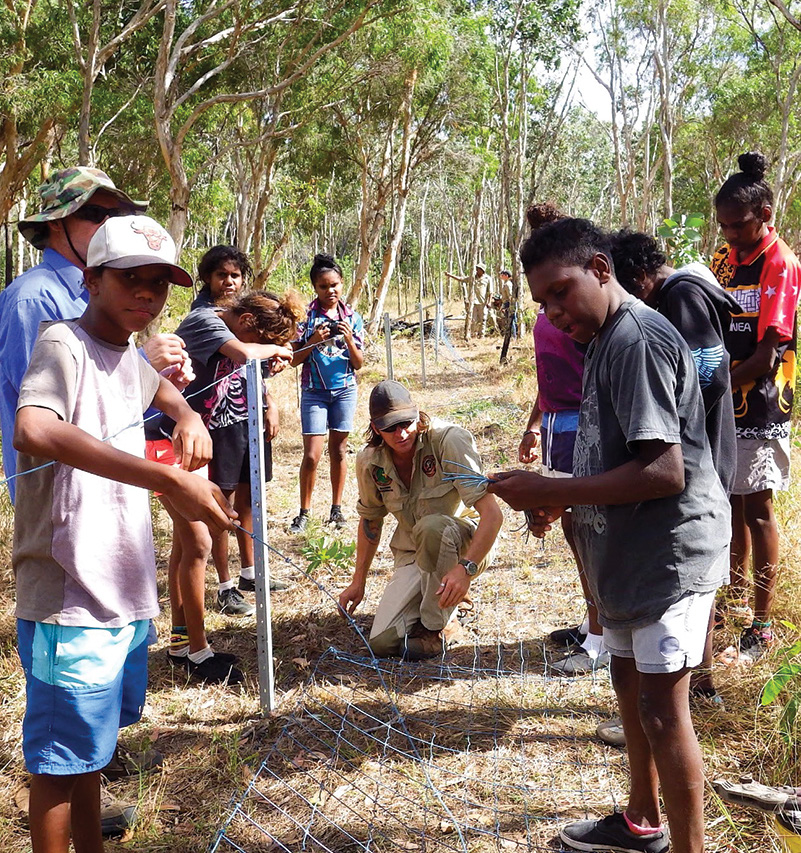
(766, 286)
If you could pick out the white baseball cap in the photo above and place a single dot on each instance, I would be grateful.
(123, 242)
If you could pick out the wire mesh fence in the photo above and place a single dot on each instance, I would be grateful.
(483, 749)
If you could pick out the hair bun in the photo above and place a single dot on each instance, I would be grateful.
(753, 165)
(541, 214)
(323, 260)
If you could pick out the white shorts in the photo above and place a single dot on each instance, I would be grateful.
(762, 463)
(675, 641)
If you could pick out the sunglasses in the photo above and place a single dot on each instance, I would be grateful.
(98, 214)
(395, 427)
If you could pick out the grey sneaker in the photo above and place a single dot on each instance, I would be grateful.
(232, 603)
(611, 833)
(611, 732)
(115, 816)
(299, 523)
(579, 662)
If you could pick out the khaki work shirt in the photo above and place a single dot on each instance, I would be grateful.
(381, 490)
(482, 290)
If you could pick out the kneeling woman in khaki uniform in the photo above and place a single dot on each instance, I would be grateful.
(446, 529)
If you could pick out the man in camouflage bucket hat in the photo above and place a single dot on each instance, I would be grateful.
(75, 202)
(67, 191)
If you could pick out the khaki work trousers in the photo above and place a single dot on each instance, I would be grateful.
(410, 596)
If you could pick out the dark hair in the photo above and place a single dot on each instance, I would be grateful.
(275, 317)
(573, 242)
(635, 253)
(747, 188)
(323, 263)
(505, 272)
(538, 215)
(216, 257)
(375, 439)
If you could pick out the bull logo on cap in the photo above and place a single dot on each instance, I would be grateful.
(155, 236)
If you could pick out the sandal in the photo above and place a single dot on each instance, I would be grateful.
(753, 795)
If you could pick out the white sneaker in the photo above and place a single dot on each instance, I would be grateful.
(580, 662)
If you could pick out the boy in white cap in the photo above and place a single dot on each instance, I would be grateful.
(83, 548)
(74, 203)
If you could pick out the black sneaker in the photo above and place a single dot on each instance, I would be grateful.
(214, 670)
(611, 833)
(249, 584)
(336, 518)
(568, 636)
(299, 523)
(182, 660)
(754, 642)
(125, 763)
(231, 603)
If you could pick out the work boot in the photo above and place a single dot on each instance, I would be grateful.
(422, 644)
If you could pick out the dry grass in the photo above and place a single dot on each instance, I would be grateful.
(484, 729)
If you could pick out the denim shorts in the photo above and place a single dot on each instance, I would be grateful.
(81, 686)
(321, 410)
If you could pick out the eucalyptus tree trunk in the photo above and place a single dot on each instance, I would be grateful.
(402, 188)
(372, 208)
(92, 57)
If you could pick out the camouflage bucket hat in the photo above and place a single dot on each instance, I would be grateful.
(63, 193)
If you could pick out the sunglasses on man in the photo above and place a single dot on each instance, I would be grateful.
(395, 427)
(98, 214)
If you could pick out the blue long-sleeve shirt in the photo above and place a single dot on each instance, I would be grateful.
(52, 290)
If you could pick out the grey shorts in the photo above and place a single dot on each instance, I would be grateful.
(675, 641)
(762, 463)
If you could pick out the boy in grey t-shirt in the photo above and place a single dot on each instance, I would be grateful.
(651, 522)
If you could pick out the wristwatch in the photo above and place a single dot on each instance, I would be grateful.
(469, 566)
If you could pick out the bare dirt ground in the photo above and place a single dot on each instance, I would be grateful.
(488, 752)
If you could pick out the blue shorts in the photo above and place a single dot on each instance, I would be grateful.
(321, 410)
(558, 433)
(81, 686)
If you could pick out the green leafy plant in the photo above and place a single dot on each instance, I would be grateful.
(776, 684)
(682, 236)
(328, 553)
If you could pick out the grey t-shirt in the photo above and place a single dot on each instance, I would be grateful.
(83, 544)
(641, 384)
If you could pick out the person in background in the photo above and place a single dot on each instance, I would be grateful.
(446, 529)
(479, 292)
(224, 271)
(763, 275)
(220, 341)
(551, 429)
(505, 312)
(330, 347)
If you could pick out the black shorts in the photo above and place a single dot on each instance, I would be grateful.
(230, 464)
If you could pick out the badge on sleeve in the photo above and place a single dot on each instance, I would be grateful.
(382, 482)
